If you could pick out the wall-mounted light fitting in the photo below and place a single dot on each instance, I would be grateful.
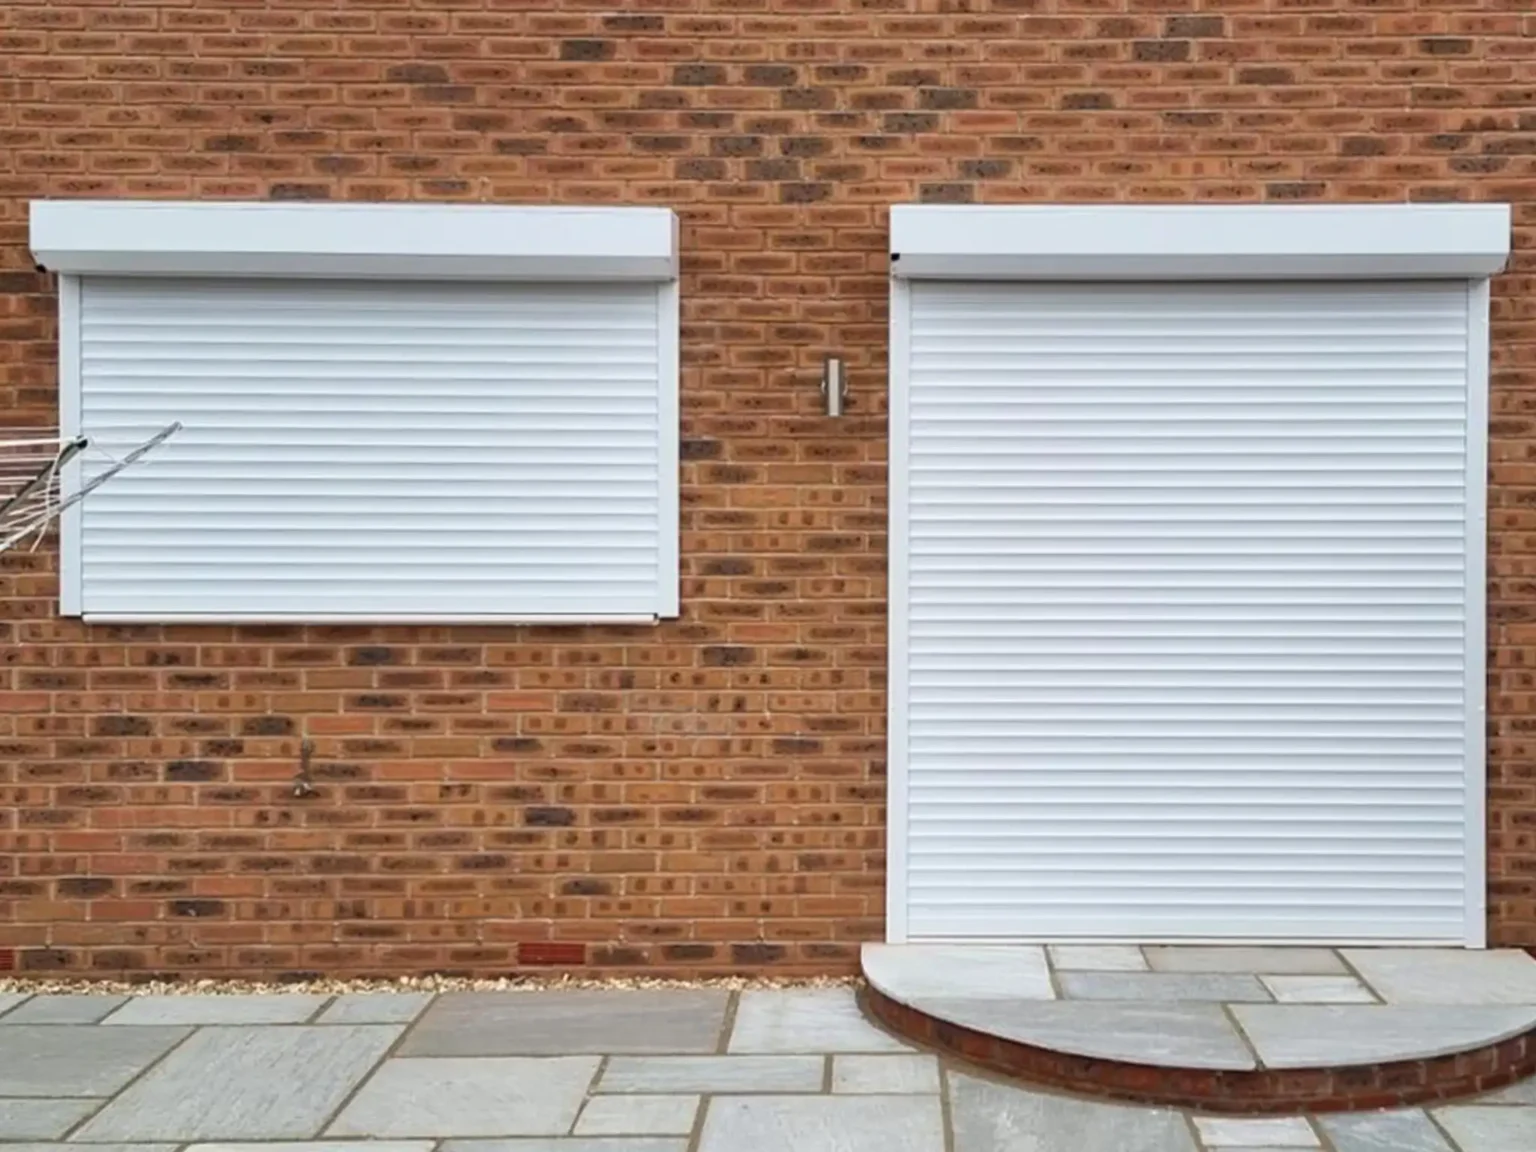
(834, 384)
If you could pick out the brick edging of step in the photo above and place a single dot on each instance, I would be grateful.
(1264, 1091)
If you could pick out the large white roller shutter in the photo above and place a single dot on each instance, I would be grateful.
(377, 448)
(1186, 610)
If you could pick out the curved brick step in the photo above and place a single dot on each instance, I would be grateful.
(1417, 1053)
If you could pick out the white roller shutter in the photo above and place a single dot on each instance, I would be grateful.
(1186, 614)
(379, 448)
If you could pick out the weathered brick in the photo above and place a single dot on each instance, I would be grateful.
(599, 779)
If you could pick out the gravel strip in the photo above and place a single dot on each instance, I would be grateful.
(336, 987)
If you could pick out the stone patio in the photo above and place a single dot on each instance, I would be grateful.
(1219, 1008)
(608, 1071)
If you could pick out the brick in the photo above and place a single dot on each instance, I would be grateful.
(642, 786)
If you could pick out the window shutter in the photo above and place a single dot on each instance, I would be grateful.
(381, 449)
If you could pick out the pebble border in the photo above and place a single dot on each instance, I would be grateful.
(1350, 1088)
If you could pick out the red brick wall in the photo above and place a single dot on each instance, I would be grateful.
(708, 793)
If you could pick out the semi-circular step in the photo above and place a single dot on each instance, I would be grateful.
(1005, 1009)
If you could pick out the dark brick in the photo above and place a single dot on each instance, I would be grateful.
(371, 655)
(808, 99)
(726, 655)
(1195, 26)
(688, 952)
(630, 22)
(1160, 51)
(83, 887)
(726, 566)
(549, 817)
(1087, 101)
(193, 771)
(1362, 146)
(232, 142)
(121, 726)
(1266, 75)
(771, 75)
(520, 146)
(946, 193)
(805, 146)
(757, 953)
(944, 99)
(696, 449)
(416, 74)
(586, 886)
(736, 146)
(1296, 190)
(267, 726)
(517, 744)
(1446, 46)
(804, 193)
(197, 909)
(778, 169)
(698, 75)
(985, 169)
(910, 122)
(588, 49)
(699, 168)
(287, 191)
(45, 960)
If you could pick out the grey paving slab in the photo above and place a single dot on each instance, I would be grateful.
(312, 1146)
(823, 1124)
(199, 1010)
(1446, 975)
(1317, 990)
(459, 1096)
(375, 1008)
(1097, 958)
(52, 1147)
(908, 972)
(569, 1023)
(245, 1083)
(569, 1144)
(1303, 1035)
(713, 1074)
(1181, 1035)
(1408, 1130)
(1268, 961)
(42, 1119)
(85, 1060)
(1484, 1129)
(637, 1116)
(1256, 1132)
(1164, 987)
(992, 1117)
(65, 1009)
(806, 1020)
(1522, 1093)
(9, 1000)
(882, 1075)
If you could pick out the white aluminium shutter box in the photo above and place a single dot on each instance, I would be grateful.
(495, 439)
(1187, 605)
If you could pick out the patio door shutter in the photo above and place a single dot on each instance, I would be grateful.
(1186, 609)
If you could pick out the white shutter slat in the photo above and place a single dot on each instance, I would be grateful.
(1185, 611)
(386, 448)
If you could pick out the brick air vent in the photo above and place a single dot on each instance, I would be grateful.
(551, 952)
(7, 959)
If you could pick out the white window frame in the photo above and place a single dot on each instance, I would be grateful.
(78, 238)
(1468, 242)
